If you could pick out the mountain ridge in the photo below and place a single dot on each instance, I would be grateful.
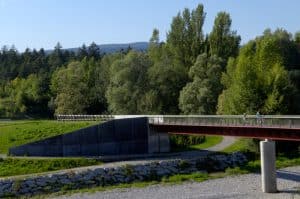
(114, 47)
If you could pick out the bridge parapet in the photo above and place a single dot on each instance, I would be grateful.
(274, 121)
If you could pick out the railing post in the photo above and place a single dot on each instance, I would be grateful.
(268, 169)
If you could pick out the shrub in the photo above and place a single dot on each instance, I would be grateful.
(183, 141)
(184, 164)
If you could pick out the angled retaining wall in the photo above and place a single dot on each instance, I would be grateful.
(116, 137)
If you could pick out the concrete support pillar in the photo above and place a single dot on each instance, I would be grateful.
(268, 169)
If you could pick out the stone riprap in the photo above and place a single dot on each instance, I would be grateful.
(101, 176)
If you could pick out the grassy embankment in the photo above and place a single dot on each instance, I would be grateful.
(19, 166)
(14, 133)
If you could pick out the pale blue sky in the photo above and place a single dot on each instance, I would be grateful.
(42, 23)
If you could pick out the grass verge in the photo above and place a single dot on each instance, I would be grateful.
(238, 145)
(20, 166)
(16, 133)
(209, 141)
(24, 166)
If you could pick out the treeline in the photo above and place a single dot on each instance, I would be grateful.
(192, 72)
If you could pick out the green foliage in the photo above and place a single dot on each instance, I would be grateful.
(254, 166)
(191, 142)
(17, 185)
(200, 96)
(242, 145)
(197, 177)
(19, 166)
(223, 42)
(181, 74)
(22, 132)
(184, 141)
(166, 80)
(185, 40)
(128, 84)
(23, 96)
(183, 164)
(128, 170)
(210, 141)
(256, 80)
(71, 88)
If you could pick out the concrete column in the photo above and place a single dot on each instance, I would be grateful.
(268, 169)
(164, 143)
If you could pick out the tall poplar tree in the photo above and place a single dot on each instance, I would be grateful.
(223, 42)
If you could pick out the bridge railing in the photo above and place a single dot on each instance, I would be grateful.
(60, 117)
(228, 120)
(280, 121)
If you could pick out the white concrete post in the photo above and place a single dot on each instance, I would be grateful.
(268, 169)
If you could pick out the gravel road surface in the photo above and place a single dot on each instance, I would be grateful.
(238, 187)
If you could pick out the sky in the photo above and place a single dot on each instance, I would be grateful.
(42, 23)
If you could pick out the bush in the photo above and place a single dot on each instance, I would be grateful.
(183, 164)
(183, 141)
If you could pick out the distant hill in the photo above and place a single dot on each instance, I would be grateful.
(111, 48)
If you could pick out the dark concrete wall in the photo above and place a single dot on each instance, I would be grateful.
(116, 137)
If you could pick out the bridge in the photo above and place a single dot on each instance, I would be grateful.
(264, 127)
(274, 127)
(268, 127)
(132, 134)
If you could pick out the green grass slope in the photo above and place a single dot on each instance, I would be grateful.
(24, 166)
(15, 133)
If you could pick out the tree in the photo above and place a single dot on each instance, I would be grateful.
(155, 48)
(24, 96)
(93, 51)
(70, 86)
(256, 80)
(166, 79)
(128, 84)
(201, 95)
(97, 81)
(223, 42)
(82, 52)
(185, 39)
(56, 58)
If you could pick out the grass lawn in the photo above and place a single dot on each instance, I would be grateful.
(14, 133)
(24, 166)
(208, 142)
(238, 145)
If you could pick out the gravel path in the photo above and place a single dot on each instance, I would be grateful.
(227, 141)
(239, 187)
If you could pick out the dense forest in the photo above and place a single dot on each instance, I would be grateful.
(192, 72)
